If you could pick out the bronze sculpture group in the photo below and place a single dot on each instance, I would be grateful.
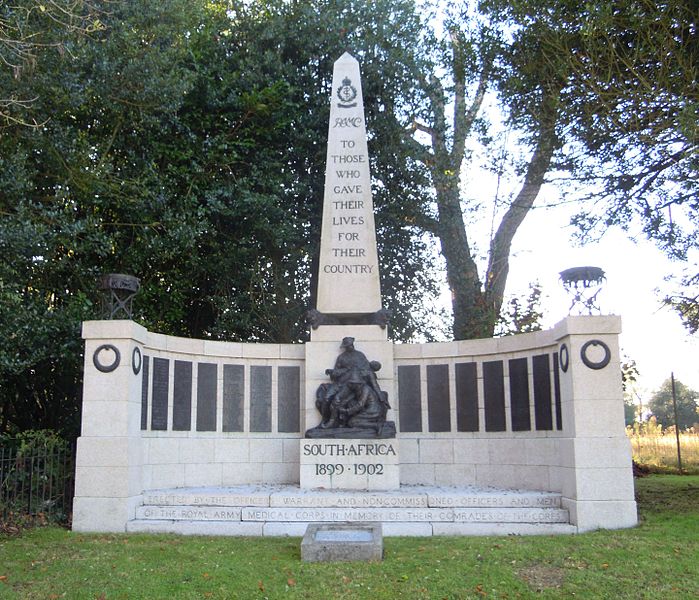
(352, 403)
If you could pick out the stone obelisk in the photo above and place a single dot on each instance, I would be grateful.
(348, 311)
(348, 280)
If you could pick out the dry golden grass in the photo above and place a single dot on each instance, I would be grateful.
(659, 449)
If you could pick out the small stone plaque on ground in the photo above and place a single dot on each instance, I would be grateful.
(335, 542)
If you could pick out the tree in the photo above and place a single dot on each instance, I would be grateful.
(30, 29)
(186, 146)
(300, 42)
(521, 314)
(661, 405)
(474, 58)
(629, 379)
(69, 207)
(636, 72)
(630, 113)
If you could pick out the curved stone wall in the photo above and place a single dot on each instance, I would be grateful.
(540, 411)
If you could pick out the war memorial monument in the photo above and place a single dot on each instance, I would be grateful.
(515, 435)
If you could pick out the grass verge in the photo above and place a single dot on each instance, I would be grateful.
(658, 559)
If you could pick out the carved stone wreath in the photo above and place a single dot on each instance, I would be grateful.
(591, 364)
(109, 367)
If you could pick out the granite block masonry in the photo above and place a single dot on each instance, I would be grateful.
(198, 436)
(412, 510)
(356, 464)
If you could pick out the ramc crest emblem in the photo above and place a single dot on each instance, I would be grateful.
(347, 94)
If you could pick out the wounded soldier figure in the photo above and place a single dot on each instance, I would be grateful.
(352, 404)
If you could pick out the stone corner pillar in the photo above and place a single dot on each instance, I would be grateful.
(108, 478)
(595, 461)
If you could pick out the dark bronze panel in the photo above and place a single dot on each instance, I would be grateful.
(233, 397)
(557, 391)
(161, 376)
(409, 398)
(519, 395)
(466, 396)
(542, 392)
(144, 392)
(206, 396)
(494, 396)
(288, 399)
(182, 396)
(438, 414)
(260, 398)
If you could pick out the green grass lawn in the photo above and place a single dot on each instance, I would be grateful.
(658, 559)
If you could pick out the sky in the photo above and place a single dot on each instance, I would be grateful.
(652, 335)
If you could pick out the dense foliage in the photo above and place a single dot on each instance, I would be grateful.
(183, 142)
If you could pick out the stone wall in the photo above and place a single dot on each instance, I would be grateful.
(483, 412)
(540, 411)
(522, 412)
(220, 414)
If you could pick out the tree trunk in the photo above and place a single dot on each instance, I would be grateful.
(501, 244)
(472, 318)
(476, 304)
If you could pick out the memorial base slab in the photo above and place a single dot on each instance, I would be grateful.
(288, 510)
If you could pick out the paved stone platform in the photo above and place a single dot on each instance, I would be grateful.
(411, 511)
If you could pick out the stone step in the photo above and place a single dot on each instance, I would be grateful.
(359, 515)
(406, 497)
(287, 510)
(298, 528)
(230, 528)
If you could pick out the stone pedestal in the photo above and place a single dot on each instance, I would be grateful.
(108, 473)
(356, 464)
(595, 474)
